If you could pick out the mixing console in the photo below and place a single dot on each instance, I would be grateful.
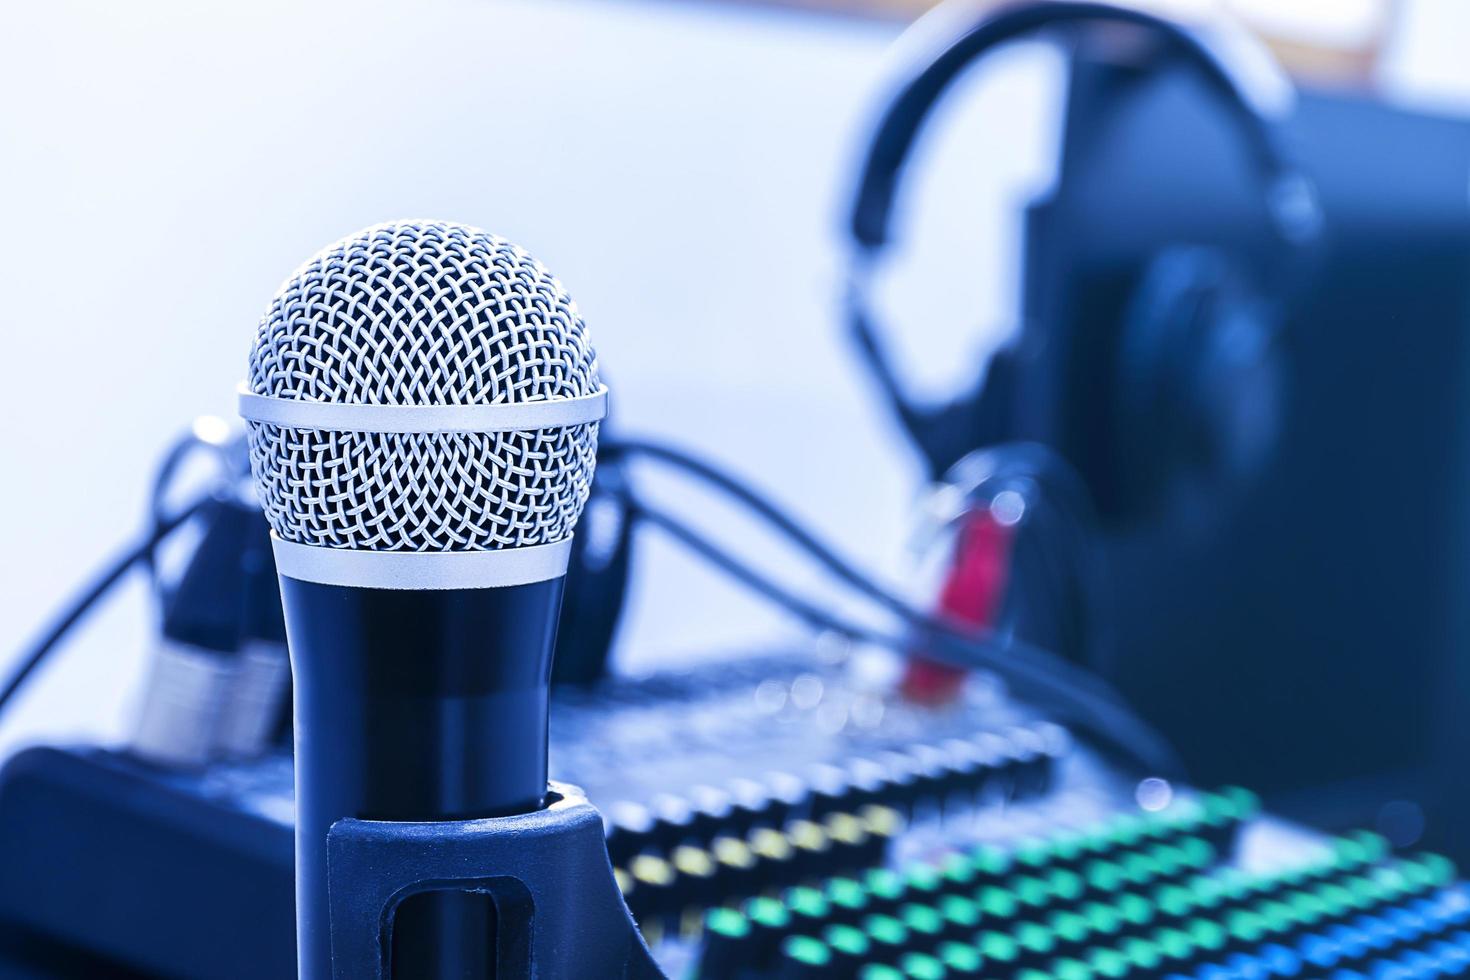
(977, 842)
(783, 817)
(1139, 895)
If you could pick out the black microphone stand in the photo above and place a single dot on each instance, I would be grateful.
(429, 843)
(560, 913)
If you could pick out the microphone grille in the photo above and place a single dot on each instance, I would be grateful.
(422, 313)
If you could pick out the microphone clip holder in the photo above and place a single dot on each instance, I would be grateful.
(560, 913)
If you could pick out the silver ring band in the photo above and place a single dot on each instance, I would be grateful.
(295, 413)
(421, 569)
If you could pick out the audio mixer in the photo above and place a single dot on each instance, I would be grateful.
(779, 816)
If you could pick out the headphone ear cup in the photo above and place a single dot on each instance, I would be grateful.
(1197, 384)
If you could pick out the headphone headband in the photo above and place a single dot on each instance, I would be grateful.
(1289, 195)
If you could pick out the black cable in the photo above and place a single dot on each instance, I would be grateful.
(1052, 686)
(186, 445)
(932, 626)
(1034, 672)
(1053, 677)
(1053, 544)
(73, 613)
(921, 424)
(1051, 586)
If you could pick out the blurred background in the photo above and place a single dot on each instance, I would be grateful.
(678, 165)
(1256, 433)
(682, 166)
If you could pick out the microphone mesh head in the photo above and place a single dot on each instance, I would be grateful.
(422, 313)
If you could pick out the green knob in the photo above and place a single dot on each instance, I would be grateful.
(1110, 963)
(727, 923)
(807, 951)
(920, 966)
(960, 959)
(847, 941)
(1067, 969)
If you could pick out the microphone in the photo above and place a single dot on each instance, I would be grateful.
(423, 405)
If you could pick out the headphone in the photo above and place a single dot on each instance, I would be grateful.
(1192, 382)
(1187, 314)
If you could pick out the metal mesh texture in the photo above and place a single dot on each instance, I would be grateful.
(422, 313)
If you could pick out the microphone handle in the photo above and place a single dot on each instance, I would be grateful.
(415, 705)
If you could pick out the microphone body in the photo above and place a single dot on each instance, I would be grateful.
(416, 705)
(423, 405)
